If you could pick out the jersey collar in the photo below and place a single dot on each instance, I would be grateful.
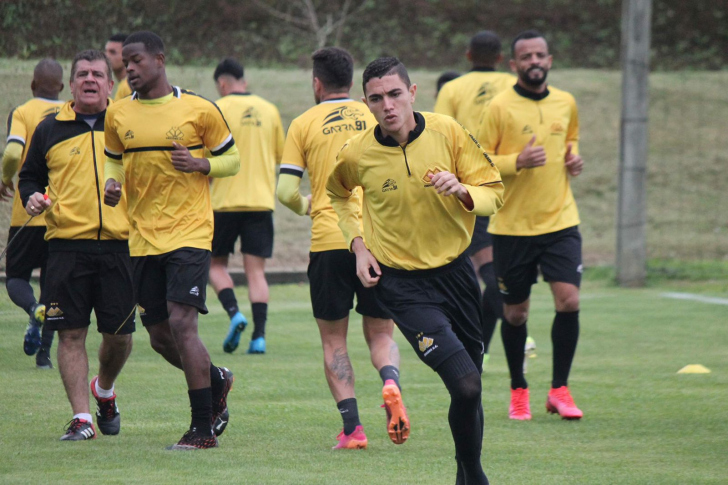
(176, 91)
(531, 95)
(388, 141)
(482, 69)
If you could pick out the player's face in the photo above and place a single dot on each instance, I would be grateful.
(532, 61)
(390, 101)
(142, 68)
(91, 86)
(113, 52)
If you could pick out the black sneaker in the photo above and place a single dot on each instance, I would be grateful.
(220, 414)
(43, 359)
(32, 340)
(192, 440)
(107, 414)
(79, 429)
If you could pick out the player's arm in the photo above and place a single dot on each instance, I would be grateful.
(113, 167)
(224, 162)
(17, 134)
(340, 189)
(288, 190)
(572, 160)
(33, 177)
(490, 135)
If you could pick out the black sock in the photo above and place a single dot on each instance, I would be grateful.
(260, 315)
(217, 380)
(201, 404)
(492, 303)
(46, 338)
(229, 302)
(349, 413)
(514, 341)
(389, 372)
(564, 336)
(21, 293)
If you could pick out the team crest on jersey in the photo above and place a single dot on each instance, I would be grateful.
(485, 93)
(389, 185)
(557, 127)
(250, 117)
(427, 177)
(175, 133)
(53, 313)
(129, 135)
(74, 151)
(527, 130)
(426, 345)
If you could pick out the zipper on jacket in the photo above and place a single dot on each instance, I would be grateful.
(98, 188)
(404, 151)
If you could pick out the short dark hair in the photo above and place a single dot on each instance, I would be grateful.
(229, 67)
(384, 66)
(526, 34)
(119, 37)
(334, 67)
(485, 47)
(153, 43)
(446, 77)
(90, 55)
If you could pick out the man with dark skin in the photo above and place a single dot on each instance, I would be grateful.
(154, 133)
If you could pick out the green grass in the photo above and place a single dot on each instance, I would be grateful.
(644, 424)
(687, 176)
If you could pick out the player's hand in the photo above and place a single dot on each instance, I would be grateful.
(365, 264)
(37, 203)
(308, 211)
(573, 162)
(112, 193)
(531, 156)
(183, 160)
(6, 191)
(446, 183)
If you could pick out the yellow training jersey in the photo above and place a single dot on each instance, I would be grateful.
(123, 90)
(465, 97)
(22, 123)
(537, 200)
(407, 224)
(258, 133)
(168, 209)
(313, 140)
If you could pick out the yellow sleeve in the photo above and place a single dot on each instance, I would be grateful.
(477, 173)
(340, 189)
(572, 134)
(443, 105)
(215, 132)
(489, 134)
(293, 150)
(114, 169)
(113, 147)
(11, 160)
(226, 164)
(289, 195)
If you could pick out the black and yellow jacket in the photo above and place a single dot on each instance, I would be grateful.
(67, 156)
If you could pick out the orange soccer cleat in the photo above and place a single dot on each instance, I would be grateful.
(357, 440)
(398, 425)
(560, 402)
(520, 408)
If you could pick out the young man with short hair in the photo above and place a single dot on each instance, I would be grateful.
(424, 179)
(113, 53)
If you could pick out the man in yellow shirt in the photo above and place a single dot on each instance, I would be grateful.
(464, 99)
(113, 53)
(243, 204)
(88, 254)
(29, 249)
(155, 143)
(533, 132)
(314, 139)
(424, 179)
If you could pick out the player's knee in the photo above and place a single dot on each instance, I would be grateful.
(72, 336)
(161, 343)
(568, 303)
(468, 389)
(516, 316)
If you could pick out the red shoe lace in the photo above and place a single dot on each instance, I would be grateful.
(563, 395)
(519, 401)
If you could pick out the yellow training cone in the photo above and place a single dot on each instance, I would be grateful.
(694, 369)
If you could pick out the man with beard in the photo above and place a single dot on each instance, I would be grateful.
(532, 131)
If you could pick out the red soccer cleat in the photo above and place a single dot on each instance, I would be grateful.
(354, 441)
(520, 408)
(560, 402)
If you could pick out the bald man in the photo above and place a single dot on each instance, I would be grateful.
(29, 249)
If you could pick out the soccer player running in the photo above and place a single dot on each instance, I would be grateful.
(160, 134)
(88, 261)
(464, 100)
(113, 53)
(29, 249)
(314, 139)
(533, 130)
(243, 205)
(424, 179)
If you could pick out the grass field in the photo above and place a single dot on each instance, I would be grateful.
(643, 424)
(687, 176)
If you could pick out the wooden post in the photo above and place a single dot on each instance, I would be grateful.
(632, 204)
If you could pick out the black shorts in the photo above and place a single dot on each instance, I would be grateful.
(333, 284)
(255, 230)
(437, 310)
(179, 276)
(80, 281)
(28, 251)
(517, 260)
(481, 237)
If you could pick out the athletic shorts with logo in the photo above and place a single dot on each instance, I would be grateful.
(85, 276)
(28, 251)
(517, 260)
(481, 237)
(255, 230)
(437, 310)
(333, 284)
(179, 276)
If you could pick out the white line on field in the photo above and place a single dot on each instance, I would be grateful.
(700, 298)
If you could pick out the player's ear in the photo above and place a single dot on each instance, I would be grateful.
(32, 85)
(61, 88)
(413, 91)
